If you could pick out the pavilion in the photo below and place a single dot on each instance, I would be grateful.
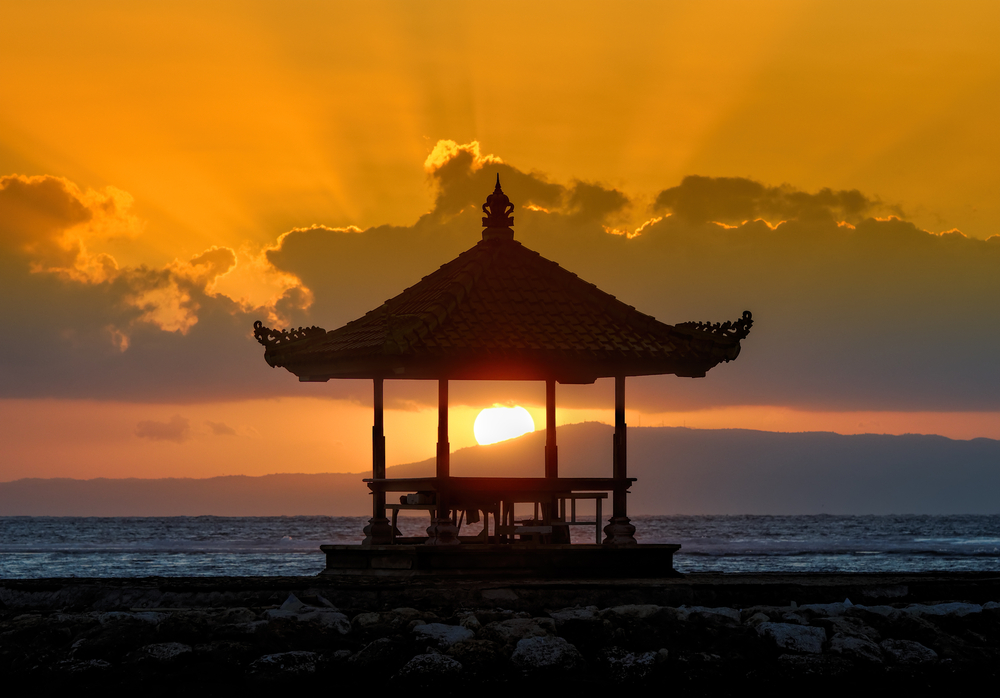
(498, 311)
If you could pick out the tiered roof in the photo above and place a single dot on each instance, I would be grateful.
(501, 311)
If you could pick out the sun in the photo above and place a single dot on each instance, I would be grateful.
(501, 423)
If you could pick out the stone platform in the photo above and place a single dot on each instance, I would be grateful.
(471, 560)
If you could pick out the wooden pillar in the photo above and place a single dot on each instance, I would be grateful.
(621, 442)
(551, 450)
(443, 447)
(442, 530)
(378, 530)
(619, 530)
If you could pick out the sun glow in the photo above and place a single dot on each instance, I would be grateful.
(501, 423)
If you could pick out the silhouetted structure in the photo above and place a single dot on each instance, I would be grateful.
(500, 311)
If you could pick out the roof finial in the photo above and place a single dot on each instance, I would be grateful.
(498, 220)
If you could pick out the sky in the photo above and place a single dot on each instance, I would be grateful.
(170, 173)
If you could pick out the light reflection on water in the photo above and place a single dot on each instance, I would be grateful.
(33, 547)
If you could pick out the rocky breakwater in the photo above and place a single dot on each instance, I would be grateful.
(309, 642)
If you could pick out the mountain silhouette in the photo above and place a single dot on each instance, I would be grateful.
(679, 471)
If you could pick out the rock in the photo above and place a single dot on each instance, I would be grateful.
(470, 621)
(399, 617)
(571, 615)
(144, 617)
(852, 627)
(325, 617)
(480, 657)
(629, 667)
(508, 633)
(814, 664)
(285, 663)
(757, 618)
(822, 610)
(685, 612)
(291, 604)
(429, 666)
(798, 638)
(549, 654)
(223, 652)
(398, 620)
(632, 612)
(236, 616)
(584, 627)
(240, 631)
(87, 666)
(853, 647)
(440, 635)
(794, 618)
(886, 611)
(163, 651)
(363, 621)
(382, 655)
(956, 610)
(908, 652)
(991, 606)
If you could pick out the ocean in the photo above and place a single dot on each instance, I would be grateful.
(187, 546)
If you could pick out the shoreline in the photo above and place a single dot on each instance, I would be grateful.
(721, 589)
(696, 634)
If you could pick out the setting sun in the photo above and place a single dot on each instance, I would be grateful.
(501, 423)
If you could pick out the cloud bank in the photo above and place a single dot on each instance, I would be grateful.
(855, 308)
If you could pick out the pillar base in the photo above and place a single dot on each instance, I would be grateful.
(619, 532)
(442, 532)
(377, 532)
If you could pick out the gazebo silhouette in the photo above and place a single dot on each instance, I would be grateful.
(500, 311)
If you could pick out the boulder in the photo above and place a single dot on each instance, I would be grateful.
(627, 667)
(480, 657)
(574, 615)
(857, 648)
(508, 633)
(429, 666)
(440, 635)
(470, 621)
(908, 652)
(843, 625)
(685, 612)
(584, 627)
(954, 610)
(824, 610)
(798, 638)
(83, 668)
(285, 663)
(225, 652)
(632, 613)
(162, 652)
(125, 617)
(546, 654)
(382, 655)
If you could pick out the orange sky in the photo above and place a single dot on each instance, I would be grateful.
(172, 172)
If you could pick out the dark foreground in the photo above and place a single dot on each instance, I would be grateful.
(695, 635)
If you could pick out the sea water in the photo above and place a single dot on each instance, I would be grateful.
(32, 547)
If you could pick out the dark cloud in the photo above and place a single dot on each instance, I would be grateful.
(220, 428)
(178, 430)
(874, 315)
(736, 199)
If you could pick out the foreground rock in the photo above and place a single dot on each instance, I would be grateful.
(307, 641)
